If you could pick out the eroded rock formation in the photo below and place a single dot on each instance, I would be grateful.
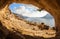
(51, 6)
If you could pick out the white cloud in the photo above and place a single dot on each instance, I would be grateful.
(30, 11)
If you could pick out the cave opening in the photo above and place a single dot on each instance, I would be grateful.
(33, 15)
(30, 12)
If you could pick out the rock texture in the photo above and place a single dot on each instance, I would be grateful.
(9, 23)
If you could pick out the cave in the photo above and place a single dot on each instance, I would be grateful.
(52, 6)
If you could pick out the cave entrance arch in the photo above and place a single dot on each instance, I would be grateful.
(23, 7)
(50, 5)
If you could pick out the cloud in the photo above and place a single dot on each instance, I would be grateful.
(30, 12)
(27, 10)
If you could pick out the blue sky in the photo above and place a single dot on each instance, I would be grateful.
(15, 5)
(27, 11)
(12, 6)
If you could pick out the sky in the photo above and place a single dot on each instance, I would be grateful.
(28, 10)
(31, 13)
